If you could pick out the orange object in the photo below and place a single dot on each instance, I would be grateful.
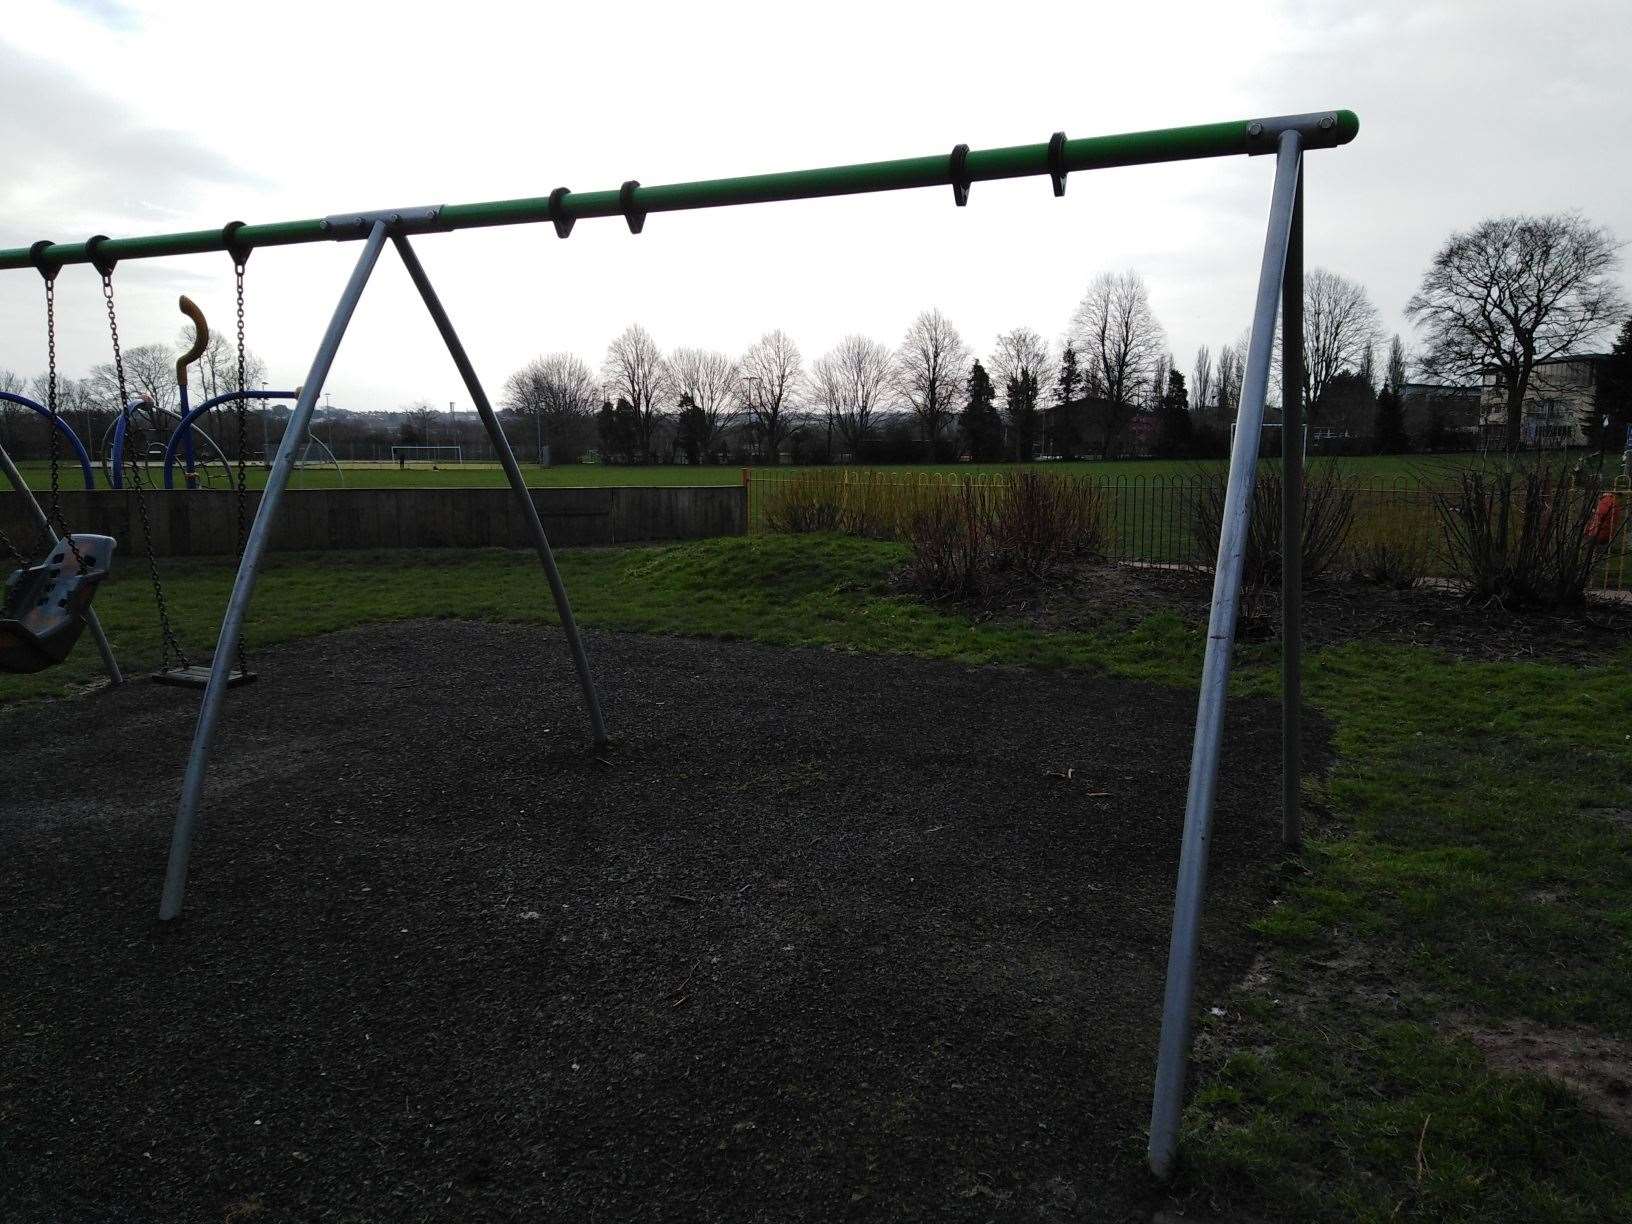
(1606, 517)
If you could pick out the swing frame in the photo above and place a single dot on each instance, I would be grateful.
(1279, 292)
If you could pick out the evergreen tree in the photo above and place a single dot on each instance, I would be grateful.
(1396, 364)
(1389, 436)
(981, 424)
(1175, 430)
(1613, 396)
(1021, 396)
(691, 428)
(1063, 427)
(619, 429)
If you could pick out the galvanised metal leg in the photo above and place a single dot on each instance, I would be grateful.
(507, 459)
(1292, 531)
(103, 646)
(1215, 671)
(226, 646)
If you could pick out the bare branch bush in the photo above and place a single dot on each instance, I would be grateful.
(1526, 535)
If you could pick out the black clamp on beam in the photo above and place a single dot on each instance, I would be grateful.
(102, 263)
(426, 219)
(229, 239)
(636, 217)
(1056, 162)
(960, 175)
(558, 212)
(36, 256)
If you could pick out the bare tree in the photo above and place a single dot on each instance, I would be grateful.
(1158, 381)
(711, 384)
(1022, 364)
(11, 414)
(1202, 387)
(216, 370)
(150, 374)
(932, 367)
(1116, 331)
(635, 371)
(852, 381)
(1339, 331)
(773, 377)
(1232, 363)
(1512, 292)
(558, 392)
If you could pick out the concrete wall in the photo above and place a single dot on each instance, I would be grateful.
(203, 521)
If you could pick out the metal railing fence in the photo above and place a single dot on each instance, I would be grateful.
(1157, 519)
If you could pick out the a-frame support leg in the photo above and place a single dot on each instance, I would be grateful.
(175, 881)
(232, 625)
(1174, 1048)
(512, 472)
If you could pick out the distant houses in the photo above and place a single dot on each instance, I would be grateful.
(1557, 404)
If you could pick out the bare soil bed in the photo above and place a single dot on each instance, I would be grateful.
(1336, 610)
(820, 937)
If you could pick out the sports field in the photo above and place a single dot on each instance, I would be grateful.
(1428, 469)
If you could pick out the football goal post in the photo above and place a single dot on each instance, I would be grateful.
(404, 455)
(1279, 295)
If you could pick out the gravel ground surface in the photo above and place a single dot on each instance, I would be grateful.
(819, 937)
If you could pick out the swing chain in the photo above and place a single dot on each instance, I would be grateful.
(243, 434)
(54, 515)
(51, 395)
(16, 553)
(171, 645)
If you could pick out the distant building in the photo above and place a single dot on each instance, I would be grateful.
(1557, 402)
(1439, 416)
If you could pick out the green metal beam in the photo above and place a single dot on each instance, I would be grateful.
(1243, 137)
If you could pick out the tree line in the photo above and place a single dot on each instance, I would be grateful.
(1496, 301)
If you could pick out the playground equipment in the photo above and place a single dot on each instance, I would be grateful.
(62, 428)
(117, 452)
(1279, 291)
(45, 605)
(187, 424)
(44, 610)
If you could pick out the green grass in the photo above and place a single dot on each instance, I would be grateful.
(1426, 469)
(1456, 870)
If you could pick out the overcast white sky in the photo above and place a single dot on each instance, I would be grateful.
(156, 115)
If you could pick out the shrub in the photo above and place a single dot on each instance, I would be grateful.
(1393, 560)
(1518, 533)
(947, 539)
(963, 534)
(1328, 515)
(1037, 521)
(807, 502)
